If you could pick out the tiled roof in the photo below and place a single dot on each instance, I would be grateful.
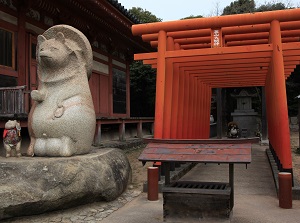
(124, 11)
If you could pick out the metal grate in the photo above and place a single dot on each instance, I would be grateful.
(200, 185)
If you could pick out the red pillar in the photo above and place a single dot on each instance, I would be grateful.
(160, 85)
(276, 90)
(195, 108)
(190, 107)
(175, 103)
(185, 106)
(198, 122)
(168, 92)
(201, 113)
(180, 104)
(205, 112)
(208, 111)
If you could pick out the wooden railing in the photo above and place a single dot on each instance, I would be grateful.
(12, 101)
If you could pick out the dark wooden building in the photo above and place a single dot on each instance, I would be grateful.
(107, 25)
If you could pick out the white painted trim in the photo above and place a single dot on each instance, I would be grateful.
(100, 67)
(100, 56)
(8, 18)
(34, 28)
(119, 64)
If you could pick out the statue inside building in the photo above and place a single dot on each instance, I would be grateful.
(62, 119)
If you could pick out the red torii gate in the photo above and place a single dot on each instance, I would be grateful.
(196, 55)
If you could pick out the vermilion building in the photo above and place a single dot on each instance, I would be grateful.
(106, 24)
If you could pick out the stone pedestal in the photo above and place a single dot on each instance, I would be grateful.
(247, 121)
(244, 115)
(33, 185)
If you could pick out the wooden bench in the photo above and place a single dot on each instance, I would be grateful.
(185, 201)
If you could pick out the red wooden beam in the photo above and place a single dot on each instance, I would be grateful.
(220, 21)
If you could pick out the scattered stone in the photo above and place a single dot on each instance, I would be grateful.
(74, 218)
(89, 219)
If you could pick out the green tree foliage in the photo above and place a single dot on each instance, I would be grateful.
(192, 17)
(270, 7)
(239, 7)
(142, 77)
(293, 90)
(142, 89)
(143, 15)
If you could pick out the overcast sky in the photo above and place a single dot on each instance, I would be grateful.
(176, 9)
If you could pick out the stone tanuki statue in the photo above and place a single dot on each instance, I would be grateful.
(12, 138)
(62, 119)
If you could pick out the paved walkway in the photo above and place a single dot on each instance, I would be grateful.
(255, 199)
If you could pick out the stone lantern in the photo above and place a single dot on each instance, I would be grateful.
(244, 115)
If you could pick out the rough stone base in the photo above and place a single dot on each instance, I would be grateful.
(33, 185)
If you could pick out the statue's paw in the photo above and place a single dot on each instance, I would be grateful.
(30, 149)
(59, 112)
(36, 96)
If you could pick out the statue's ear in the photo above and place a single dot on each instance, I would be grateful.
(41, 38)
(60, 37)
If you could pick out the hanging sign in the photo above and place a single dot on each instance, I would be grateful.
(216, 38)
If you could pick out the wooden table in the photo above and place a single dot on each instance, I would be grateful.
(230, 151)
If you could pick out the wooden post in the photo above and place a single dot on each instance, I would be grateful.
(175, 99)
(160, 85)
(97, 139)
(195, 108)
(152, 183)
(275, 83)
(209, 91)
(140, 129)
(190, 108)
(175, 103)
(180, 104)
(299, 118)
(198, 121)
(21, 52)
(231, 183)
(185, 106)
(167, 173)
(168, 92)
(264, 126)
(285, 190)
(219, 113)
(122, 131)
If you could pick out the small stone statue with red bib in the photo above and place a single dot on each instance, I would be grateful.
(12, 138)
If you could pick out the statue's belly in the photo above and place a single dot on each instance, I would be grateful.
(78, 116)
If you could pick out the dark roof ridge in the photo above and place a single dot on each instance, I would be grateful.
(124, 11)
